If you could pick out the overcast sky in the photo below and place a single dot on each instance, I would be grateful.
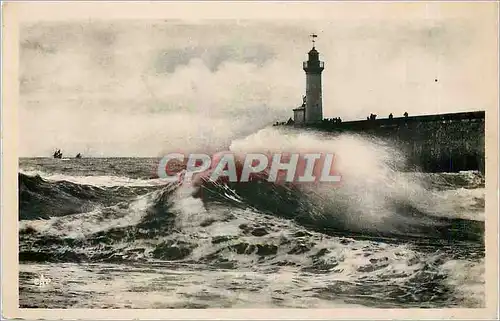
(142, 87)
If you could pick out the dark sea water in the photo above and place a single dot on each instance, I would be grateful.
(108, 233)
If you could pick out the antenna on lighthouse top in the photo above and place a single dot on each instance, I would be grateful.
(313, 36)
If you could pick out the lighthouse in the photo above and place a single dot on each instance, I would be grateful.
(313, 68)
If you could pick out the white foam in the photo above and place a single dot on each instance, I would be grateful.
(101, 219)
(467, 279)
(101, 181)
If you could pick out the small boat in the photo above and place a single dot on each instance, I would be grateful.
(58, 154)
(78, 155)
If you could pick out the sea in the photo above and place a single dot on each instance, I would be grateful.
(108, 233)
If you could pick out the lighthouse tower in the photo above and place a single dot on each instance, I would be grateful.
(313, 68)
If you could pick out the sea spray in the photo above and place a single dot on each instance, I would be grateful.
(373, 189)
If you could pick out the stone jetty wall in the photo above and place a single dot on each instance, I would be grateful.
(432, 143)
